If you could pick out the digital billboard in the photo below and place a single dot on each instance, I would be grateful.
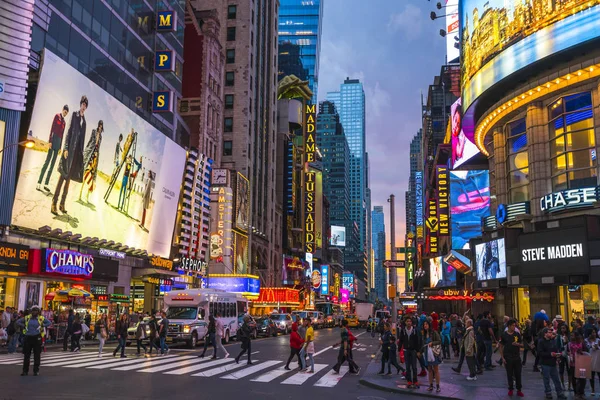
(463, 141)
(241, 253)
(490, 259)
(97, 169)
(338, 236)
(348, 283)
(452, 25)
(242, 202)
(500, 37)
(469, 202)
(441, 274)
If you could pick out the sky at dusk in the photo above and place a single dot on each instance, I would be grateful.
(395, 49)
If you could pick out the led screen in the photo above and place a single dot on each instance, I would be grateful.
(452, 52)
(491, 260)
(338, 236)
(500, 37)
(108, 172)
(441, 274)
(469, 202)
(463, 140)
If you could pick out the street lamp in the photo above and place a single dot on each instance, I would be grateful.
(25, 143)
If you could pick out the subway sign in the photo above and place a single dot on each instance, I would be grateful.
(443, 200)
(309, 180)
(569, 199)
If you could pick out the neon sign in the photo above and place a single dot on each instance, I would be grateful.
(69, 262)
(309, 180)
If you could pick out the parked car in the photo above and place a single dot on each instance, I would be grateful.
(283, 322)
(266, 327)
(253, 325)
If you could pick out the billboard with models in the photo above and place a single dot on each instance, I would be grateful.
(97, 169)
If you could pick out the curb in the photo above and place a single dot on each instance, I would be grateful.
(372, 385)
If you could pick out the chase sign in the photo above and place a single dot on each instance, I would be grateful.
(568, 199)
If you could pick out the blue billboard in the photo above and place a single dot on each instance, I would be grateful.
(244, 285)
(348, 283)
(469, 203)
(325, 279)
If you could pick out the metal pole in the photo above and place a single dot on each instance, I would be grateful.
(393, 274)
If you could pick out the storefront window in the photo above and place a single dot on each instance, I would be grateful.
(8, 292)
(518, 160)
(522, 305)
(583, 301)
(572, 142)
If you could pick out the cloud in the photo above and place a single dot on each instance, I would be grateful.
(409, 22)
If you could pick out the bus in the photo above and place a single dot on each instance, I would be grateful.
(333, 313)
(188, 312)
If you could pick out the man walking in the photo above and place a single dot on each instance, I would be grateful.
(469, 350)
(511, 343)
(67, 336)
(549, 353)
(244, 333)
(385, 347)
(71, 161)
(162, 334)
(487, 334)
(55, 140)
(33, 328)
(409, 341)
(219, 336)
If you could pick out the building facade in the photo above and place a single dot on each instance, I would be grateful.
(378, 218)
(416, 164)
(300, 40)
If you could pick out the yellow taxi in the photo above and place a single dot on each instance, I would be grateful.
(352, 320)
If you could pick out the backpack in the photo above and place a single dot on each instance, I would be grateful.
(10, 329)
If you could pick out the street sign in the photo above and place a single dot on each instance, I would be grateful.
(394, 263)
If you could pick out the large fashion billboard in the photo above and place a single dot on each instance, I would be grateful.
(452, 52)
(463, 141)
(97, 169)
(500, 37)
(490, 258)
(469, 202)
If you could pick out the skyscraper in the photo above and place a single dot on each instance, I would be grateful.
(416, 164)
(350, 103)
(300, 25)
(378, 227)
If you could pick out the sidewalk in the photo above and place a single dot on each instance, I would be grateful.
(491, 385)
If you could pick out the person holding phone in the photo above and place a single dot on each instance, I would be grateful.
(549, 354)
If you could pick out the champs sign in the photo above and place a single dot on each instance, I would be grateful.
(309, 180)
(443, 200)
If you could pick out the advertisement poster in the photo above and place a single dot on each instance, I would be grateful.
(242, 202)
(463, 142)
(490, 258)
(523, 33)
(441, 274)
(452, 52)
(241, 253)
(97, 169)
(338, 236)
(32, 294)
(469, 203)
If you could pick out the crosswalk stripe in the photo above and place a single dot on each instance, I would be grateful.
(72, 360)
(220, 370)
(121, 362)
(251, 370)
(193, 368)
(151, 363)
(269, 376)
(19, 359)
(330, 379)
(300, 377)
(173, 365)
(100, 361)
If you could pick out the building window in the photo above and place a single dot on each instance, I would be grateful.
(228, 124)
(518, 160)
(227, 148)
(232, 12)
(572, 142)
(229, 78)
(228, 101)
(231, 34)
(230, 56)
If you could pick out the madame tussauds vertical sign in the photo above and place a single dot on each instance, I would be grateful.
(309, 180)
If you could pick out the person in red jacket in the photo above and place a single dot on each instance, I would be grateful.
(435, 321)
(296, 343)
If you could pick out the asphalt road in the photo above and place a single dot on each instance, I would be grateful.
(182, 373)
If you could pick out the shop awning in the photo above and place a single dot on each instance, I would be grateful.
(139, 272)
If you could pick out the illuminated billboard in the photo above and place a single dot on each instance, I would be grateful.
(490, 258)
(463, 141)
(242, 202)
(500, 37)
(441, 274)
(97, 168)
(469, 203)
(452, 53)
(419, 205)
(338, 236)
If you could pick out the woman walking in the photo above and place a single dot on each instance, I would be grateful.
(309, 348)
(121, 331)
(577, 347)
(210, 337)
(101, 330)
(76, 336)
(219, 335)
(431, 348)
(90, 161)
(244, 333)
(140, 335)
(296, 343)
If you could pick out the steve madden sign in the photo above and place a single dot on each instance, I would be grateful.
(568, 199)
(552, 252)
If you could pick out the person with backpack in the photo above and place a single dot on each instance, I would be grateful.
(76, 333)
(393, 357)
(345, 353)
(153, 325)
(140, 335)
(87, 319)
(210, 337)
(296, 343)
(244, 333)
(32, 327)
